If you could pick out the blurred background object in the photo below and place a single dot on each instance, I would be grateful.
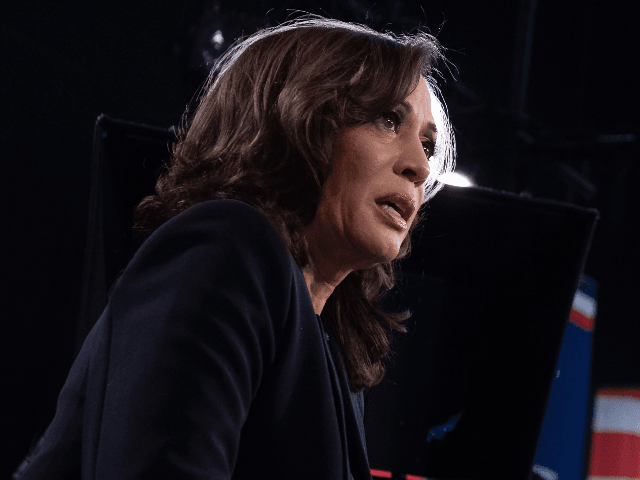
(615, 448)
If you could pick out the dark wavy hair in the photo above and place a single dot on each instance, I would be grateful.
(264, 129)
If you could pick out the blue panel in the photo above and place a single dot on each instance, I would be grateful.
(562, 438)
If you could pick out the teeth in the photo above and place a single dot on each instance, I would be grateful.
(392, 210)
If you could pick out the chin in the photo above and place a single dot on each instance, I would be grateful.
(376, 243)
(386, 258)
(384, 253)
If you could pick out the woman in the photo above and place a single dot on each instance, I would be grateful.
(239, 339)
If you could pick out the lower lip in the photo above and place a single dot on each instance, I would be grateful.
(392, 218)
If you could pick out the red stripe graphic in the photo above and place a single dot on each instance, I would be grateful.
(380, 473)
(581, 320)
(619, 392)
(615, 455)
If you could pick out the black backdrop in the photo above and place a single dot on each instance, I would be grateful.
(63, 63)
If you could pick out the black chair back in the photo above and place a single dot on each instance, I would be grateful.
(126, 162)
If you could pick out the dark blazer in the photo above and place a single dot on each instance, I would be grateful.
(207, 363)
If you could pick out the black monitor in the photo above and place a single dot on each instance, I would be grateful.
(490, 282)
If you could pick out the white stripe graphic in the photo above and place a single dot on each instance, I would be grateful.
(617, 415)
(545, 472)
(584, 304)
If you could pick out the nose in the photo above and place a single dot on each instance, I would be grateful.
(413, 163)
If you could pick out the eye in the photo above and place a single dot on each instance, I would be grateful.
(390, 121)
(428, 147)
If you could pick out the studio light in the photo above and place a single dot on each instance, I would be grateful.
(456, 179)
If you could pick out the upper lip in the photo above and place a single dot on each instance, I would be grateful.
(405, 203)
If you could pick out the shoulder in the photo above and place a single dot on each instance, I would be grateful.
(220, 238)
(230, 224)
(219, 258)
(222, 217)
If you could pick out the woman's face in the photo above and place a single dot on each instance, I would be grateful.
(375, 187)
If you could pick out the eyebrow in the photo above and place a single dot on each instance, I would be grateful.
(431, 131)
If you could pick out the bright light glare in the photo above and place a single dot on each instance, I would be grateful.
(456, 179)
(217, 39)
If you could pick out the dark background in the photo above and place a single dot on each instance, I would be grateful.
(568, 133)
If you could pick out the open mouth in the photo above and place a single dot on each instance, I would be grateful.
(398, 204)
(393, 212)
(392, 208)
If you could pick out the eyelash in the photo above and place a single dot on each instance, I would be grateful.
(427, 144)
(396, 121)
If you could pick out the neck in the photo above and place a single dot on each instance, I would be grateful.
(322, 279)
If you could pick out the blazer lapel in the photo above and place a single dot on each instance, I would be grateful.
(353, 408)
